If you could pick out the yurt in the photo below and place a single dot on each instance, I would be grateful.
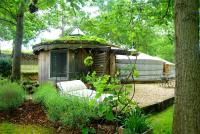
(63, 59)
(149, 68)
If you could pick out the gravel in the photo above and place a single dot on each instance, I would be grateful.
(148, 94)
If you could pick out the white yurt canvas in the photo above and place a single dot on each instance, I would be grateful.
(150, 68)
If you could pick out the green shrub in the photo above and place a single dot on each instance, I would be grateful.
(79, 112)
(69, 110)
(5, 67)
(44, 92)
(136, 122)
(12, 95)
(47, 95)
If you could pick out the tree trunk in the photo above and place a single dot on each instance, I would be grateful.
(16, 65)
(187, 93)
(63, 25)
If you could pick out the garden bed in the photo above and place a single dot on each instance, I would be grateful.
(64, 113)
(32, 114)
(27, 113)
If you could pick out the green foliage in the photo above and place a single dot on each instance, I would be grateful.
(135, 25)
(78, 112)
(105, 110)
(101, 83)
(33, 23)
(88, 61)
(70, 110)
(136, 122)
(119, 96)
(162, 46)
(40, 95)
(12, 95)
(55, 106)
(136, 73)
(5, 67)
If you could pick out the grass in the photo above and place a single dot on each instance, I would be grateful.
(29, 68)
(9, 128)
(162, 122)
(9, 51)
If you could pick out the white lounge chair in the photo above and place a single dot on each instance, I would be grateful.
(78, 88)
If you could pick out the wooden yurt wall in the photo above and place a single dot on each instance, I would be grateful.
(79, 56)
(112, 64)
(168, 70)
(101, 63)
(43, 62)
(71, 64)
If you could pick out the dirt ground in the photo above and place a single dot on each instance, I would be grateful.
(27, 113)
(148, 94)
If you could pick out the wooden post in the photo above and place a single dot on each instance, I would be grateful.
(112, 64)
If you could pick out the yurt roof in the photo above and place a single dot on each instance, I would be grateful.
(72, 42)
(143, 56)
(79, 41)
(165, 61)
(140, 56)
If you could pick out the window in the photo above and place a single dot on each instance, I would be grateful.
(58, 67)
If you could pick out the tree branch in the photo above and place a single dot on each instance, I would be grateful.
(9, 21)
(167, 10)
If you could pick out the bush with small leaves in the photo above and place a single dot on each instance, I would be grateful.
(69, 110)
(44, 92)
(78, 112)
(12, 95)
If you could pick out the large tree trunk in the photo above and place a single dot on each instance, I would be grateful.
(16, 65)
(187, 93)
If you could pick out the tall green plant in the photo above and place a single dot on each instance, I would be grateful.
(67, 109)
(136, 122)
(118, 99)
(12, 95)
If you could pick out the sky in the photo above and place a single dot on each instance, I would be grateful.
(51, 34)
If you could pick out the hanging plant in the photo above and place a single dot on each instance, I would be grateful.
(88, 61)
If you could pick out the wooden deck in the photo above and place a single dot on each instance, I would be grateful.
(152, 97)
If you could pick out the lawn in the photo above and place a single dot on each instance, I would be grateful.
(29, 68)
(162, 122)
(8, 51)
(8, 128)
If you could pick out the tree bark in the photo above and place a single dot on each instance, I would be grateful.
(16, 65)
(62, 25)
(187, 92)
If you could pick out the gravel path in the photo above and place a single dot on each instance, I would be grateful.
(148, 94)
